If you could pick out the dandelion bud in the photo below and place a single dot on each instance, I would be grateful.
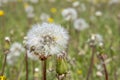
(6, 45)
(61, 66)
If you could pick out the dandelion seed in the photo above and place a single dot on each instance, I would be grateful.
(98, 13)
(99, 74)
(114, 2)
(47, 39)
(69, 14)
(80, 24)
(15, 50)
(28, 8)
(76, 4)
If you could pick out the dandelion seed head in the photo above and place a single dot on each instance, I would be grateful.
(15, 50)
(76, 4)
(80, 24)
(69, 14)
(98, 13)
(47, 39)
(36, 69)
(7, 39)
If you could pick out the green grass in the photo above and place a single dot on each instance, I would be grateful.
(107, 25)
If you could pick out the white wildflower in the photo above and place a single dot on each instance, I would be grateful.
(36, 69)
(69, 14)
(99, 74)
(114, 1)
(80, 24)
(29, 9)
(15, 50)
(47, 39)
(7, 39)
(76, 4)
(98, 13)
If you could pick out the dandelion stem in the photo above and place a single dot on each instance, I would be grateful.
(33, 67)
(91, 63)
(26, 60)
(104, 66)
(44, 69)
(115, 75)
(4, 64)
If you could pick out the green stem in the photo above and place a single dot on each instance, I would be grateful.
(26, 60)
(91, 63)
(4, 64)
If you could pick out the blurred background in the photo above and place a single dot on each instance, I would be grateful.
(82, 18)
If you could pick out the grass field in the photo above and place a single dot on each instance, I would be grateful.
(102, 18)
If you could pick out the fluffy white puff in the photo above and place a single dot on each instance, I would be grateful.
(80, 24)
(31, 56)
(47, 39)
(69, 14)
(15, 50)
(29, 9)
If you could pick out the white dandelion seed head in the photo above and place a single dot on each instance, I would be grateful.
(98, 37)
(80, 24)
(99, 73)
(44, 17)
(4, 1)
(15, 50)
(114, 2)
(31, 56)
(98, 13)
(29, 9)
(47, 39)
(76, 4)
(69, 14)
(7, 38)
(36, 69)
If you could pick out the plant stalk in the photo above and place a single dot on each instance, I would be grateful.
(4, 64)
(104, 66)
(26, 61)
(91, 63)
(44, 69)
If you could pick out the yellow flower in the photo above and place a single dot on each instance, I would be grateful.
(26, 5)
(50, 20)
(53, 10)
(2, 13)
(79, 72)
